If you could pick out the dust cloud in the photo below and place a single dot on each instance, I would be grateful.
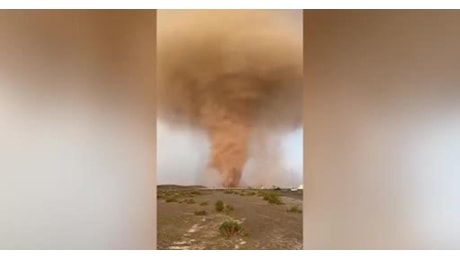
(236, 76)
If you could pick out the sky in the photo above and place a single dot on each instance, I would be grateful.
(182, 158)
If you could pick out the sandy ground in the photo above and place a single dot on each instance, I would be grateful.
(267, 226)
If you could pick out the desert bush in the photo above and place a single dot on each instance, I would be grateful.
(195, 192)
(219, 206)
(272, 198)
(200, 212)
(204, 203)
(294, 209)
(231, 228)
(228, 192)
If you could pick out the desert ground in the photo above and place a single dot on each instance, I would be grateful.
(188, 218)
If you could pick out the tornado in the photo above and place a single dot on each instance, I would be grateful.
(229, 72)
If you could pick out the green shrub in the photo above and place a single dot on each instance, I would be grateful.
(272, 198)
(195, 192)
(231, 228)
(219, 206)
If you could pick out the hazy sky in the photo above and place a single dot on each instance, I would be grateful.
(182, 157)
